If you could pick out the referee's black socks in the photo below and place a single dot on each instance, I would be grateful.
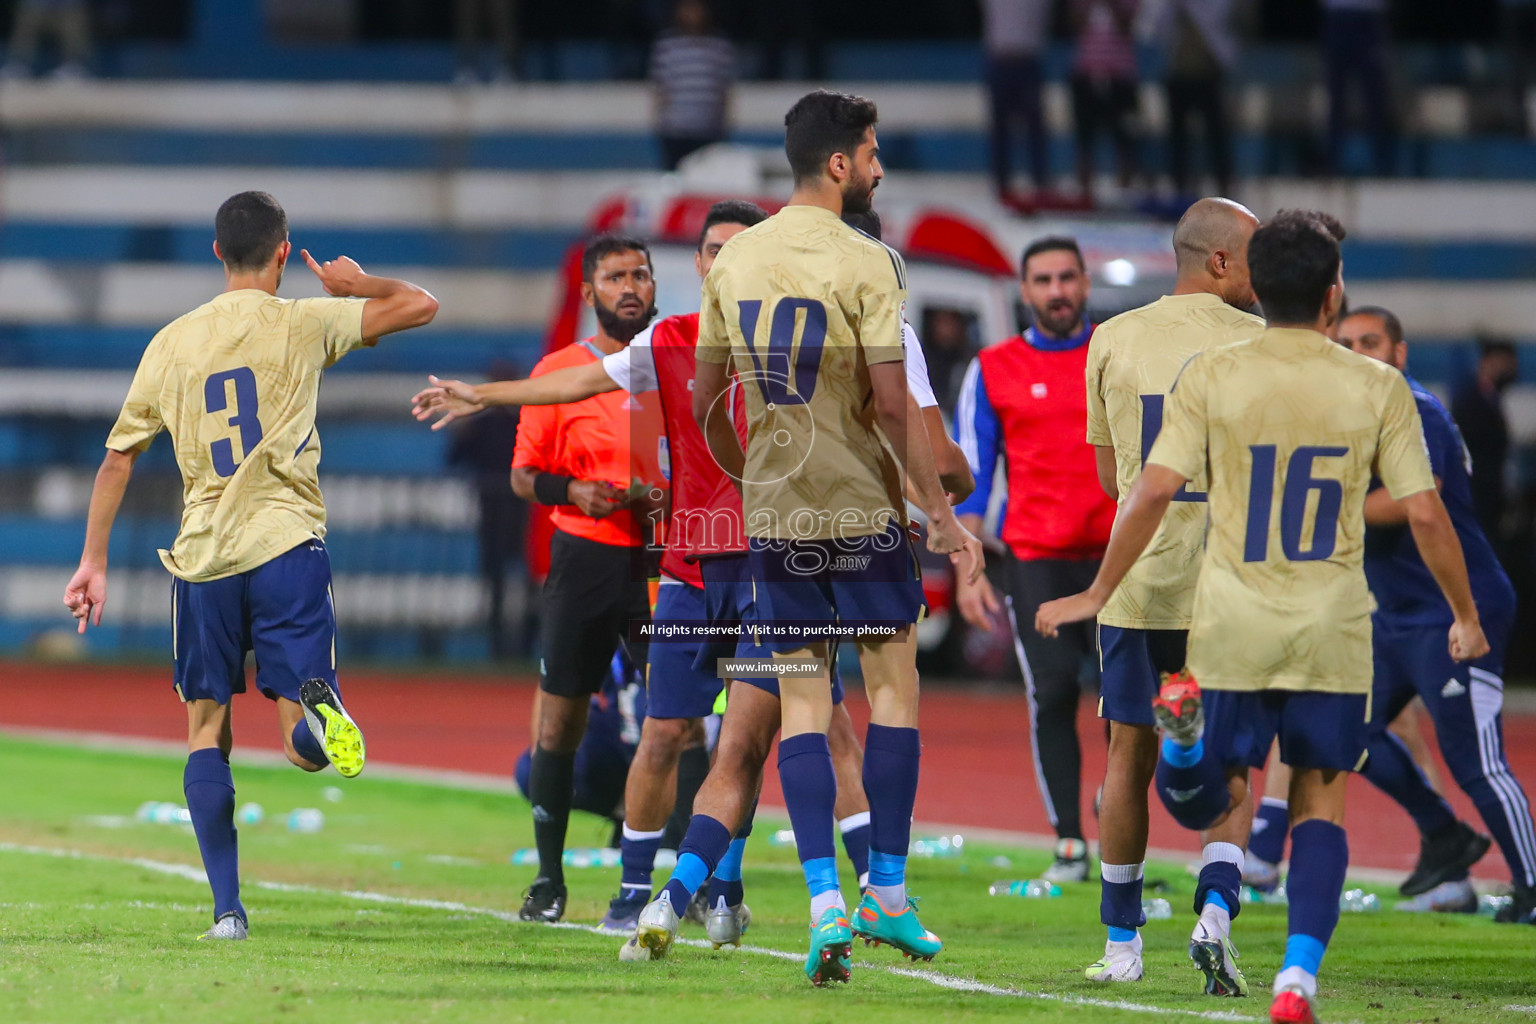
(551, 779)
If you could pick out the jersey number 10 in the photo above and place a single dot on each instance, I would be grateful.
(773, 374)
(1299, 486)
(242, 416)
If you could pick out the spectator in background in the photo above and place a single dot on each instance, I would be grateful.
(1014, 32)
(1519, 30)
(948, 346)
(779, 25)
(1201, 40)
(1104, 98)
(469, 16)
(1355, 50)
(1478, 409)
(68, 22)
(483, 446)
(691, 69)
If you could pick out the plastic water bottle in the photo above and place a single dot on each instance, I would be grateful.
(1030, 889)
(1358, 901)
(783, 837)
(332, 794)
(526, 856)
(146, 811)
(1157, 909)
(1489, 905)
(937, 846)
(250, 814)
(305, 820)
(1277, 898)
(590, 857)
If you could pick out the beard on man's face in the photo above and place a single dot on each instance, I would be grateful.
(625, 320)
(859, 195)
(1060, 317)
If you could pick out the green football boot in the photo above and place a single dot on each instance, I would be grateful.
(873, 923)
(831, 947)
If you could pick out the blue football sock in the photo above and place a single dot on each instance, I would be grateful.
(1192, 784)
(728, 876)
(1120, 899)
(855, 830)
(306, 746)
(1390, 768)
(892, 757)
(810, 790)
(210, 791)
(1271, 823)
(705, 842)
(637, 859)
(1319, 858)
(1221, 877)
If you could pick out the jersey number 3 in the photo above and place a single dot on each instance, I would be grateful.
(242, 416)
(1300, 484)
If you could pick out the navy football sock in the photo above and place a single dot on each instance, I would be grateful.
(306, 746)
(1192, 784)
(1120, 899)
(637, 859)
(210, 791)
(728, 875)
(705, 842)
(892, 757)
(1319, 858)
(1221, 876)
(855, 830)
(1390, 768)
(810, 790)
(1271, 824)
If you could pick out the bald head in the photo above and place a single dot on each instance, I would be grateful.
(1211, 245)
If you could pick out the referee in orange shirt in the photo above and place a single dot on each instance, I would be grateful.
(576, 458)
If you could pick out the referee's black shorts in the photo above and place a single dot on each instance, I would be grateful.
(592, 594)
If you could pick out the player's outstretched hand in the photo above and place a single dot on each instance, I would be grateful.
(596, 498)
(1052, 615)
(86, 595)
(977, 600)
(340, 276)
(448, 400)
(1467, 641)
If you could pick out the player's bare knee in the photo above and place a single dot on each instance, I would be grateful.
(663, 740)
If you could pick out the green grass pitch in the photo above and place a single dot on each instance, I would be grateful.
(397, 910)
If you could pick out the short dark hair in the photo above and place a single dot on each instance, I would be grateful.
(1490, 346)
(1051, 243)
(731, 211)
(249, 227)
(822, 123)
(867, 221)
(1388, 320)
(1327, 221)
(604, 246)
(1293, 260)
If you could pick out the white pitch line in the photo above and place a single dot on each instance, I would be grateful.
(945, 981)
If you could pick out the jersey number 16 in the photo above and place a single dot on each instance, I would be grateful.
(1300, 484)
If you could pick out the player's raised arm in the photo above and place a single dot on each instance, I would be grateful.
(451, 400)
(393, 305)
(86, 593)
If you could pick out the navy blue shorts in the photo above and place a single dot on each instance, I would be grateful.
(1131, 663)
(677, 685)
(729, 599)
(281, 610)
(1415, 661)
(848, 582)
(1316, 730)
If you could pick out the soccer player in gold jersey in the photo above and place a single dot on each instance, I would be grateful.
(235, 382)
(1133, 361)
(1289, 430)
